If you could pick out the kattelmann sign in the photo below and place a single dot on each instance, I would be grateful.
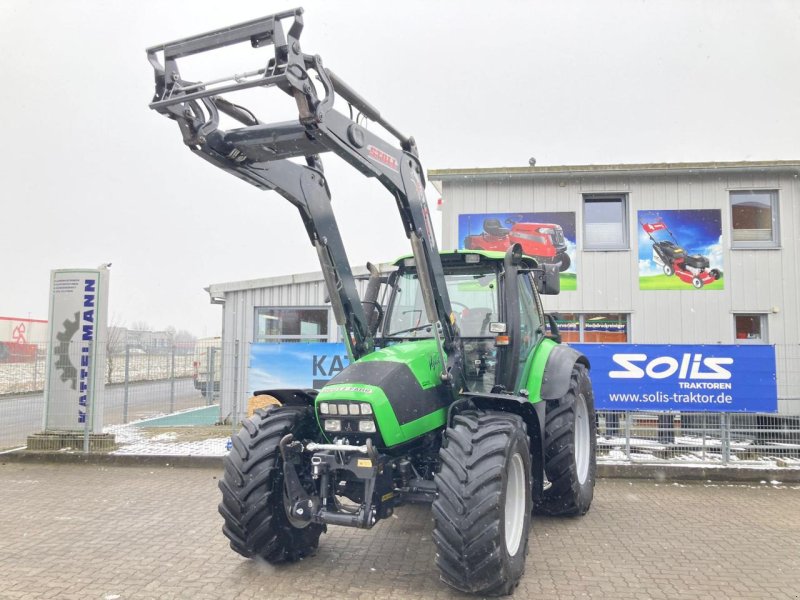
(77, 353)
(683, 378)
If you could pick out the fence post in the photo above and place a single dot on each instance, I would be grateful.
(172, 382)
(726, 437)
(235, 411)
(628, 434)
(127, 383)
(212, 352)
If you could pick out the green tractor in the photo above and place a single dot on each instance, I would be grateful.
(459, 392)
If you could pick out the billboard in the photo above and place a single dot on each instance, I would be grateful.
(300, 365)
(680, 250)
(718, 378)
(548, 236)
(76, 359)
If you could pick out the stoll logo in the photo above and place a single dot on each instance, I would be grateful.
(379, 155)
(692, 369)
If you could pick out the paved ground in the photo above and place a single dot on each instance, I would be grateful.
(80, 531)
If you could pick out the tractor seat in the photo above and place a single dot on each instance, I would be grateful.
(475, 322)
(495, 228)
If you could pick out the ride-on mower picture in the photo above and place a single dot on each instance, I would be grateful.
(544, 241)
(674, 260)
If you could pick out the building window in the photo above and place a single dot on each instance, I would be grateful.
(291, 324)
(754, 219)
(598, 328)
(750, 329)
(605, 222)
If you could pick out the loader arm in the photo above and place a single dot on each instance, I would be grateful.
(261, 153)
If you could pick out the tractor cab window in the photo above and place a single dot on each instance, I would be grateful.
(474, 301)
(473, 297)
(530, 321)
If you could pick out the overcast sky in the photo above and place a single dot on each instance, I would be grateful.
(91, 175)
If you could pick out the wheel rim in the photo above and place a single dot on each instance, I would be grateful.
(582, 439)
(515, 504)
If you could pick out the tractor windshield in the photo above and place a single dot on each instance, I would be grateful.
(473, 296)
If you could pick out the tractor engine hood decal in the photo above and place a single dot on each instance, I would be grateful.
(405, 394)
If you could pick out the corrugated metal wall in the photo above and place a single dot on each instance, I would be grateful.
(758, 281)
(238, 327)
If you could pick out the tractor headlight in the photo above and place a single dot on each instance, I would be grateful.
(345, 408)
(366, 426)
(333, 425)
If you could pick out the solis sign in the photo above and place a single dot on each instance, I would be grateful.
(685, 378)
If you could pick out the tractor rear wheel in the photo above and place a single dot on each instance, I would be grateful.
(564, 261)
(668, 270)
(483, 509)
(570, 462)
(252, 489)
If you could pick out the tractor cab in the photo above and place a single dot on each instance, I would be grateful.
(474, 281)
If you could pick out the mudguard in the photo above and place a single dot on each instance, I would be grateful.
(291, 397)
(557, 372)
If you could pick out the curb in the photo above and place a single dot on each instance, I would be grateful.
(606, 471)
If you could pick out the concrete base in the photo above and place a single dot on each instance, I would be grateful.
(59, 440)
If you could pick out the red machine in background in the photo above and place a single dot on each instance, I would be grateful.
(19, 338)
(544, 241)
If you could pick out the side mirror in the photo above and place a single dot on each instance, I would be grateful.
(548, 280)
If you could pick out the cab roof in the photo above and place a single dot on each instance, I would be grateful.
(450, 257)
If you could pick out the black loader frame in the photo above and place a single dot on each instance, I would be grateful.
(269, 479)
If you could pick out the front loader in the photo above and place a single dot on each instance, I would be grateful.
(459, 392)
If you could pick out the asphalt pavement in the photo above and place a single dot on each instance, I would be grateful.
(21, 415)
(77, 531)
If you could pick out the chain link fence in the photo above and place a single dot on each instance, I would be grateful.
(144, 385)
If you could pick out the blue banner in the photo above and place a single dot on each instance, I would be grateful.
(279, 366)
(683, 378)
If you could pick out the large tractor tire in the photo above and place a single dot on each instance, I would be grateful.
(570, 440)
(252, 489)
(482, 512)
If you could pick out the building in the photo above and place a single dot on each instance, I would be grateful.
(617, 233)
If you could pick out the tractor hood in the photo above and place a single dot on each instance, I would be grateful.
(402, 384)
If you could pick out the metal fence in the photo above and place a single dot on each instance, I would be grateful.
(699, 437)
(143, 386)
(165, 400)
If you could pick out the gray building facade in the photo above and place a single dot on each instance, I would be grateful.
(742, 217)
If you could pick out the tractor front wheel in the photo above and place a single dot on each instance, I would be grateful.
(697, 282)
(252, 489)
(482, 512)
(570, 461)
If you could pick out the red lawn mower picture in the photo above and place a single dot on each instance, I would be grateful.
(544, 241)
(670, 256)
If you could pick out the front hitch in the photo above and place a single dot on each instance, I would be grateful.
(363, 462)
